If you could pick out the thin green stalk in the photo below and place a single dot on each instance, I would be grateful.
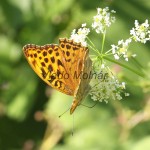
(108, 51)
(125, 66)
(91, 42)
(93, 46)
(103, 41)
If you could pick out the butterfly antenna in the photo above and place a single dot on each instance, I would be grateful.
(72, 125)
(63, 112)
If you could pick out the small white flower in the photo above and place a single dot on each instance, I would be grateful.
(116, 56)
(121, 50)
(118, 96)
(141, 33)
(113, 11)
(103, 19)
(120, 42)
(126, 59)
(134, 55)
(126, 94)
(83, 25)
(80, 35)
(102, 66)
(114, 48)
(123, 85)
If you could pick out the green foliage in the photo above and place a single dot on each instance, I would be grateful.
(27, 105)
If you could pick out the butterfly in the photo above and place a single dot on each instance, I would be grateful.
(65, 67)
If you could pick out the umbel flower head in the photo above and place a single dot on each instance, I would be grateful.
(106, 86)
(80, 35)
(103, 19)
(141, 33)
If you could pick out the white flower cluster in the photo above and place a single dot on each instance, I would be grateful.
(105, 89)
(120, 50)
(103, 19)
(141, 33)
(80, 35)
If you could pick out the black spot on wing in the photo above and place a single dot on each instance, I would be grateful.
(56, 49)
(44, 74)
(50, 68)
(52, 59)
(58, 73)
(44, 53)
(68, 46)
(46, 60)
(62, 45)
(52, 78)
(50, 51)
(67, 53)
(31, 55)
(35, 55)
(43, 64)
(59, 63)
(56, 83)
(57, 54)
(75, 48)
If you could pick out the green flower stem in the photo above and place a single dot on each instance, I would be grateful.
(91, 42)
(125, 66)
(109, 51)
(93, 46)
(103, 41)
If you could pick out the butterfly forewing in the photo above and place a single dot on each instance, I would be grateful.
(45, 61)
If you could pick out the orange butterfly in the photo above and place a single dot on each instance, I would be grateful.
(62, 67)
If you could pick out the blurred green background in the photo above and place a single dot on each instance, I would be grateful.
(29, 109)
